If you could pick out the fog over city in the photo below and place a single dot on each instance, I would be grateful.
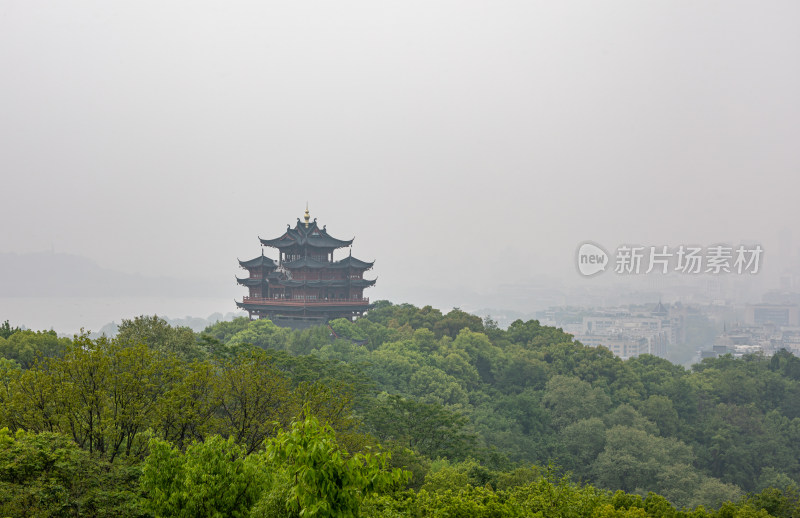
(469, 147)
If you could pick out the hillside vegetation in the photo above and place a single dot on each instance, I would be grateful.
(406, 412)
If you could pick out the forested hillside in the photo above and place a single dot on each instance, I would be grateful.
(406, 412)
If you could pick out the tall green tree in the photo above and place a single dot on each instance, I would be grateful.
(253, 397)
(28, 347)
(213, 479)
(429, 429)
(570, 399)
(185, 411)
(323, 479)
(84, 376)
(157, 334)
(6, 330)
(47, 474)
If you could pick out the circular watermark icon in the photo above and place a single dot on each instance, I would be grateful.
(591, 259)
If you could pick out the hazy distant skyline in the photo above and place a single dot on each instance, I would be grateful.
(463, 144)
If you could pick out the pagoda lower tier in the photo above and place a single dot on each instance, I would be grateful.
(322, 310)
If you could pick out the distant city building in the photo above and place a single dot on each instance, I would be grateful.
(630, 334)
(767, 339)
(305, 286)
(621, 345)
(629, 331)
(778, 314)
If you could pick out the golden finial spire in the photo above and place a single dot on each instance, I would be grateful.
(307, 217)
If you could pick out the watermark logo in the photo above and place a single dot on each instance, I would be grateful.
(684, 259)
(592, 259)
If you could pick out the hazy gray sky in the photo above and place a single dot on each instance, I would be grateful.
(462, 143)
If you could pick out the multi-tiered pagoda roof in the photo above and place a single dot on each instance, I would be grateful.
(305, 284)
(306, 236)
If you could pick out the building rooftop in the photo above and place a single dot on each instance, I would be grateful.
(306, 234)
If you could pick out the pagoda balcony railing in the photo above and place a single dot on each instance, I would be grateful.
(301, 277)
(305, 302)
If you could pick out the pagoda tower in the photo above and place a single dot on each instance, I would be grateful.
(305, 286)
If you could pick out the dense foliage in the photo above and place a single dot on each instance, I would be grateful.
(157, 420)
